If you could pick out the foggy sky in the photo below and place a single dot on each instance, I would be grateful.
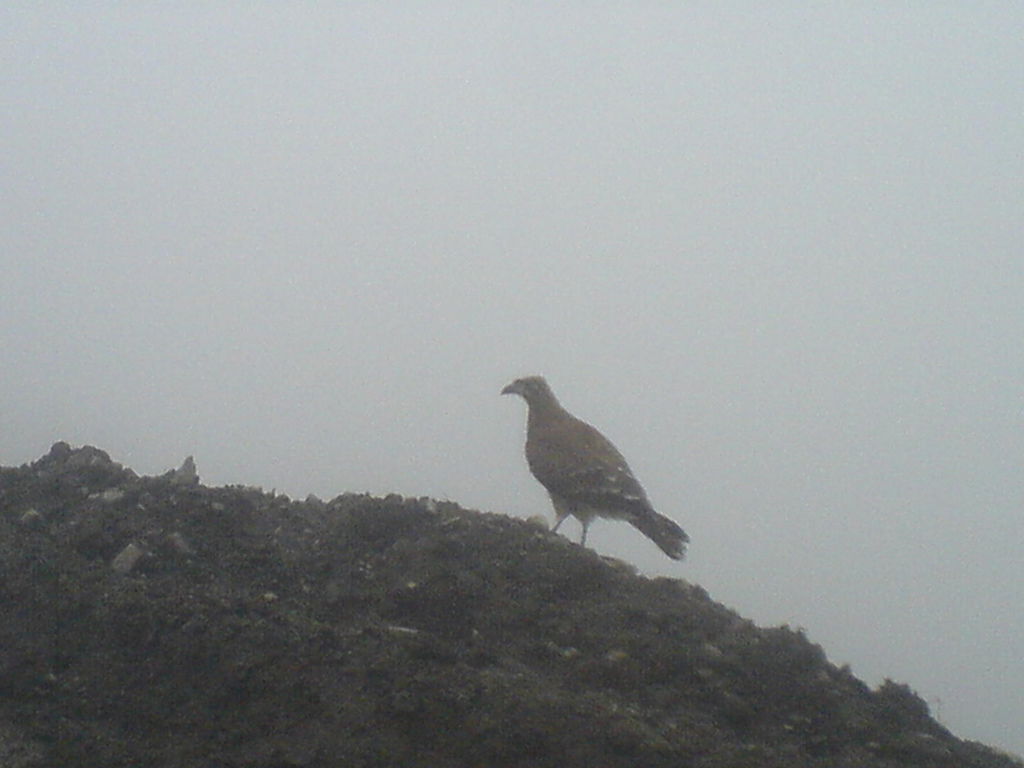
(772, 251)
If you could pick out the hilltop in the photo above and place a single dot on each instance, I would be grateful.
(155, 621)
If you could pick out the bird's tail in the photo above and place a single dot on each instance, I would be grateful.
(664, 532)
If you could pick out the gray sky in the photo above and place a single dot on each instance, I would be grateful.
(772, 251)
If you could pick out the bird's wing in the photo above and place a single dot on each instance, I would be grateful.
(577, 463)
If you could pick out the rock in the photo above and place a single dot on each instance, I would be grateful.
(185, 474)
(539, 522)
(180, 544)
(711, 651)
(375, 633)
(58, 452)
(128, 558)
(88, 456)
(109, 496)
(31, 518)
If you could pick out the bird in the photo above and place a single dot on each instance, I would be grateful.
(583, 473)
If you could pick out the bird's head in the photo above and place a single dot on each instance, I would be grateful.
(533, 389)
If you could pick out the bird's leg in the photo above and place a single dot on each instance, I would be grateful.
(583, 536)
(561, 519)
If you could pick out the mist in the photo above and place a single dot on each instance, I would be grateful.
(772, 252)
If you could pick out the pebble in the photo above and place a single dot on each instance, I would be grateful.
(127, 558)
(180, 543)
(31, 518)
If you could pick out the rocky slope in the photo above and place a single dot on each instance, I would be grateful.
(152, 621)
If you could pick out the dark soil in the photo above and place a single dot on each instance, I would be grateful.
(152, 621)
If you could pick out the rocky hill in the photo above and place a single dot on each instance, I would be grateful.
(152, 621)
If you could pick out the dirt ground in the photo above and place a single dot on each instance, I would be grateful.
(153, 621)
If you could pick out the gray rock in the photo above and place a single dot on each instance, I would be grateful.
(88, 456)
(58, 451)
(185, 474)
(31, 518)
(128, 558)
(180, 543)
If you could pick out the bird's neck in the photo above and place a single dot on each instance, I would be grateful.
(545, 410)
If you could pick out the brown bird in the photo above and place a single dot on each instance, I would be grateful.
(585, 474)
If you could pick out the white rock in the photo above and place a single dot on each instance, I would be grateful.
(109, 496)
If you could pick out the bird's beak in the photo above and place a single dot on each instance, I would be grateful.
(510, 389)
